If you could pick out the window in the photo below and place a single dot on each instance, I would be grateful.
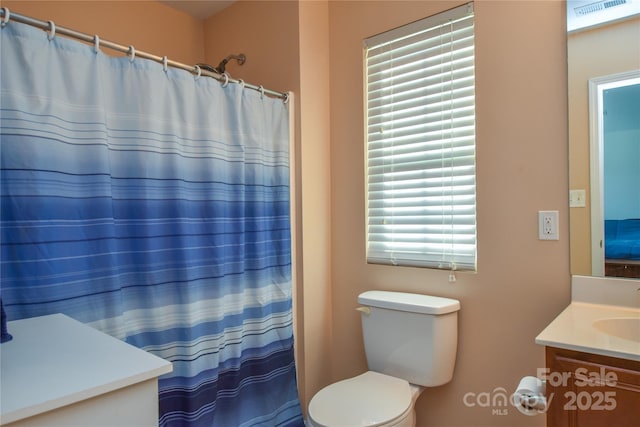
(420, 137)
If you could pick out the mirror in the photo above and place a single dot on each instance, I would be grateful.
(603, 52)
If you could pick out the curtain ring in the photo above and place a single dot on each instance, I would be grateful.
(285, 99)
(261, 89)
(196, 68)
(226, 79)
(52, 30)
(7, 16)
(132, 53)
(240, 81)
(164, 64)
(96, 43)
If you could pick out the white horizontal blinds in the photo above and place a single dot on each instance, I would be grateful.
(421, 143)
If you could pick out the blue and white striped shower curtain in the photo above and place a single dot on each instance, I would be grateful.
(154, 206)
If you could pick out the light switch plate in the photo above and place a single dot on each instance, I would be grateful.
(577, 198)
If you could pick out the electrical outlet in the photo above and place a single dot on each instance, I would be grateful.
(548, 225)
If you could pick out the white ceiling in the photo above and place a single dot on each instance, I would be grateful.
(201, 9)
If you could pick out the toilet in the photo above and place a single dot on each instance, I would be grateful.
(410, 342)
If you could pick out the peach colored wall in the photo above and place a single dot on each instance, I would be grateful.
(316, 194)
(592, 53)
(148, 25)
(522, 283)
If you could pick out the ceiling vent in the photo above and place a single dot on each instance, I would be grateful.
(596, 7)
(583, 14)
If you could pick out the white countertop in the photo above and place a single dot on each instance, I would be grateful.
(573, 329)
(54, 361)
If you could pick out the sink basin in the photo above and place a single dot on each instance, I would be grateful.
(627, 328)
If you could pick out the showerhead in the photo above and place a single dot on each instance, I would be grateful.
(221, 68)
(241, 58)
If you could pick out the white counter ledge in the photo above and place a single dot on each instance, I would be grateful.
(573, 330)
(593, 299)
(56, 362)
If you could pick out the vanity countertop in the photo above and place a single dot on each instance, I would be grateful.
(574, 329)
(54, 361)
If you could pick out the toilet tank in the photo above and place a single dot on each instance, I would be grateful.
(410, 336)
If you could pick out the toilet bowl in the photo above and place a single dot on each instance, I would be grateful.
(368, 400)
(410, 342)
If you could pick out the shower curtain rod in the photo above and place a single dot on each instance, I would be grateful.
(53, 29)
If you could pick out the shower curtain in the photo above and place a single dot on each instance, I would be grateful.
(152, 205)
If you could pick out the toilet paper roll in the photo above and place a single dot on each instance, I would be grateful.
(529, 397)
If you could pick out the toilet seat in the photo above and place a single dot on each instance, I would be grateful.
(368, 400)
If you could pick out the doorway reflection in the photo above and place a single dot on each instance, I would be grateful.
(621, 178)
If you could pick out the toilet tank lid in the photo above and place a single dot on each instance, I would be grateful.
(415, 303)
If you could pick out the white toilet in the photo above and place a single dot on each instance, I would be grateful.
(410, 342)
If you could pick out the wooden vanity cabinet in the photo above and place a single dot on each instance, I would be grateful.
(589, 390)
